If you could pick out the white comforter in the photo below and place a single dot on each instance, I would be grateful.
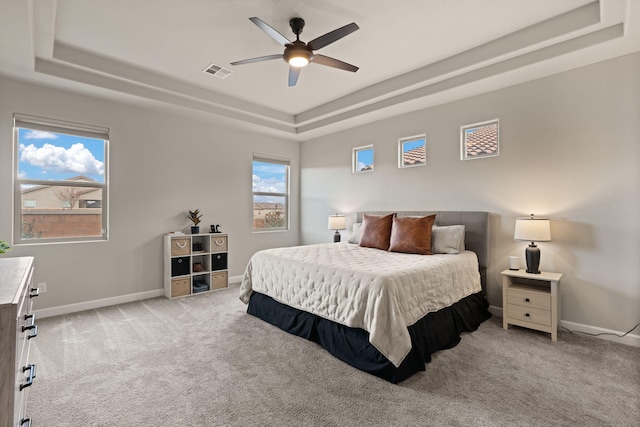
(378, 291)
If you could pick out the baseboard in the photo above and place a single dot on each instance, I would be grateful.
(106, 302)
(98, 303)
(630, 339)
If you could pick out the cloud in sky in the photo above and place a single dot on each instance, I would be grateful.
(268, 184)
(39, 134)
(76, 159)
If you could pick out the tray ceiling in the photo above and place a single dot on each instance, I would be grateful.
(412, 54)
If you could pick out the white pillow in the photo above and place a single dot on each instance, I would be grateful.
(355, 233)
(448, 239)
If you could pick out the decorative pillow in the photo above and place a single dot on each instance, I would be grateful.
(376, 231)
(355, 233)
(448, 239)
(412, 235)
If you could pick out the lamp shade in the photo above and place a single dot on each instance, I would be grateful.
(532, 229)
(337, 222)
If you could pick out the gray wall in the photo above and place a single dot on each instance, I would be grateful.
(161, 165)
(569, 150)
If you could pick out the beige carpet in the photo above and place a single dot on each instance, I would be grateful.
(202, 361)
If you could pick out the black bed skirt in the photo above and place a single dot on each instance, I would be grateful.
(436, 331)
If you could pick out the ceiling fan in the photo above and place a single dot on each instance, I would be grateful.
(298, 53)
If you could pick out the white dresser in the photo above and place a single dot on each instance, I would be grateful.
(17, 328)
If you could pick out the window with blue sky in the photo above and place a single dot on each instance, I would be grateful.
(363, 160)
(270, 178)
(61, 181)
(412, 151)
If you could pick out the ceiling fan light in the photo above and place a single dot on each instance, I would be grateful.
(298, 61)
(297, 54)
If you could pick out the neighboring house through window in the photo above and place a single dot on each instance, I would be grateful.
(270, 193)
(61, 181)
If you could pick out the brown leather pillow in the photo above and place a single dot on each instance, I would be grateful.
(375, 231)
(412, 235)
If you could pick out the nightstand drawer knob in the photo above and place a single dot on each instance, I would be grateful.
(527, 300)
(526, 315)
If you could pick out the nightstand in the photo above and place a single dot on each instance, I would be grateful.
(531, 300)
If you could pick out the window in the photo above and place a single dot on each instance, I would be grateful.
(362, 159)
(479, 140)
(60, 192)
(412, 151)
(270, 193)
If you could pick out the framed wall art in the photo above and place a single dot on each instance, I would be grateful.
(362, 159)
(480, 140)
(412, 151)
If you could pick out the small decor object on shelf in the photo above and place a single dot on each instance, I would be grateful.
(194, 217)
(215, 228)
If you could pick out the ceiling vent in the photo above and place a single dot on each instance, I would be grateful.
(218, 71)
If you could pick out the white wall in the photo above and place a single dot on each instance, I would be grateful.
(570, 150)
(161, 165)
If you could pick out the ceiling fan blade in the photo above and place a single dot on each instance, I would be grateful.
(335, 35)
(335, 63)
(258, 59)
(271, 32)
(294, 73)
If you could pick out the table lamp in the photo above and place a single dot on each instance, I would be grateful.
(337, 222)
(532, 229)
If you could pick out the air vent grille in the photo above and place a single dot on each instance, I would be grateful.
(218, 71)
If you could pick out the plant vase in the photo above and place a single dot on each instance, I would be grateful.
(195, 229)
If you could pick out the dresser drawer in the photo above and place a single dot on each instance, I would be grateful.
(180, 287)
(529, 314)
(529, 298)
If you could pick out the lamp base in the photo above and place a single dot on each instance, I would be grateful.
(532, 254)
(336, 237)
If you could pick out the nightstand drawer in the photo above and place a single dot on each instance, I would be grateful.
(529, 314)
(529, 298)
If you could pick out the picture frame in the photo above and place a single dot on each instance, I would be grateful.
(412, 151)
(362, 160)
(480, 140)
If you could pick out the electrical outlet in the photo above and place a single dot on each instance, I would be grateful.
(43, 287)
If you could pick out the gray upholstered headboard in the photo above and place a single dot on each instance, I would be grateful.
(476, 231)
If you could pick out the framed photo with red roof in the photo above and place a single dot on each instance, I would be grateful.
(480, 140)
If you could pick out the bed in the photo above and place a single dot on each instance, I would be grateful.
(384, 312)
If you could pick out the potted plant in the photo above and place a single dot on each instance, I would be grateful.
(4, 247)
(194, 217)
